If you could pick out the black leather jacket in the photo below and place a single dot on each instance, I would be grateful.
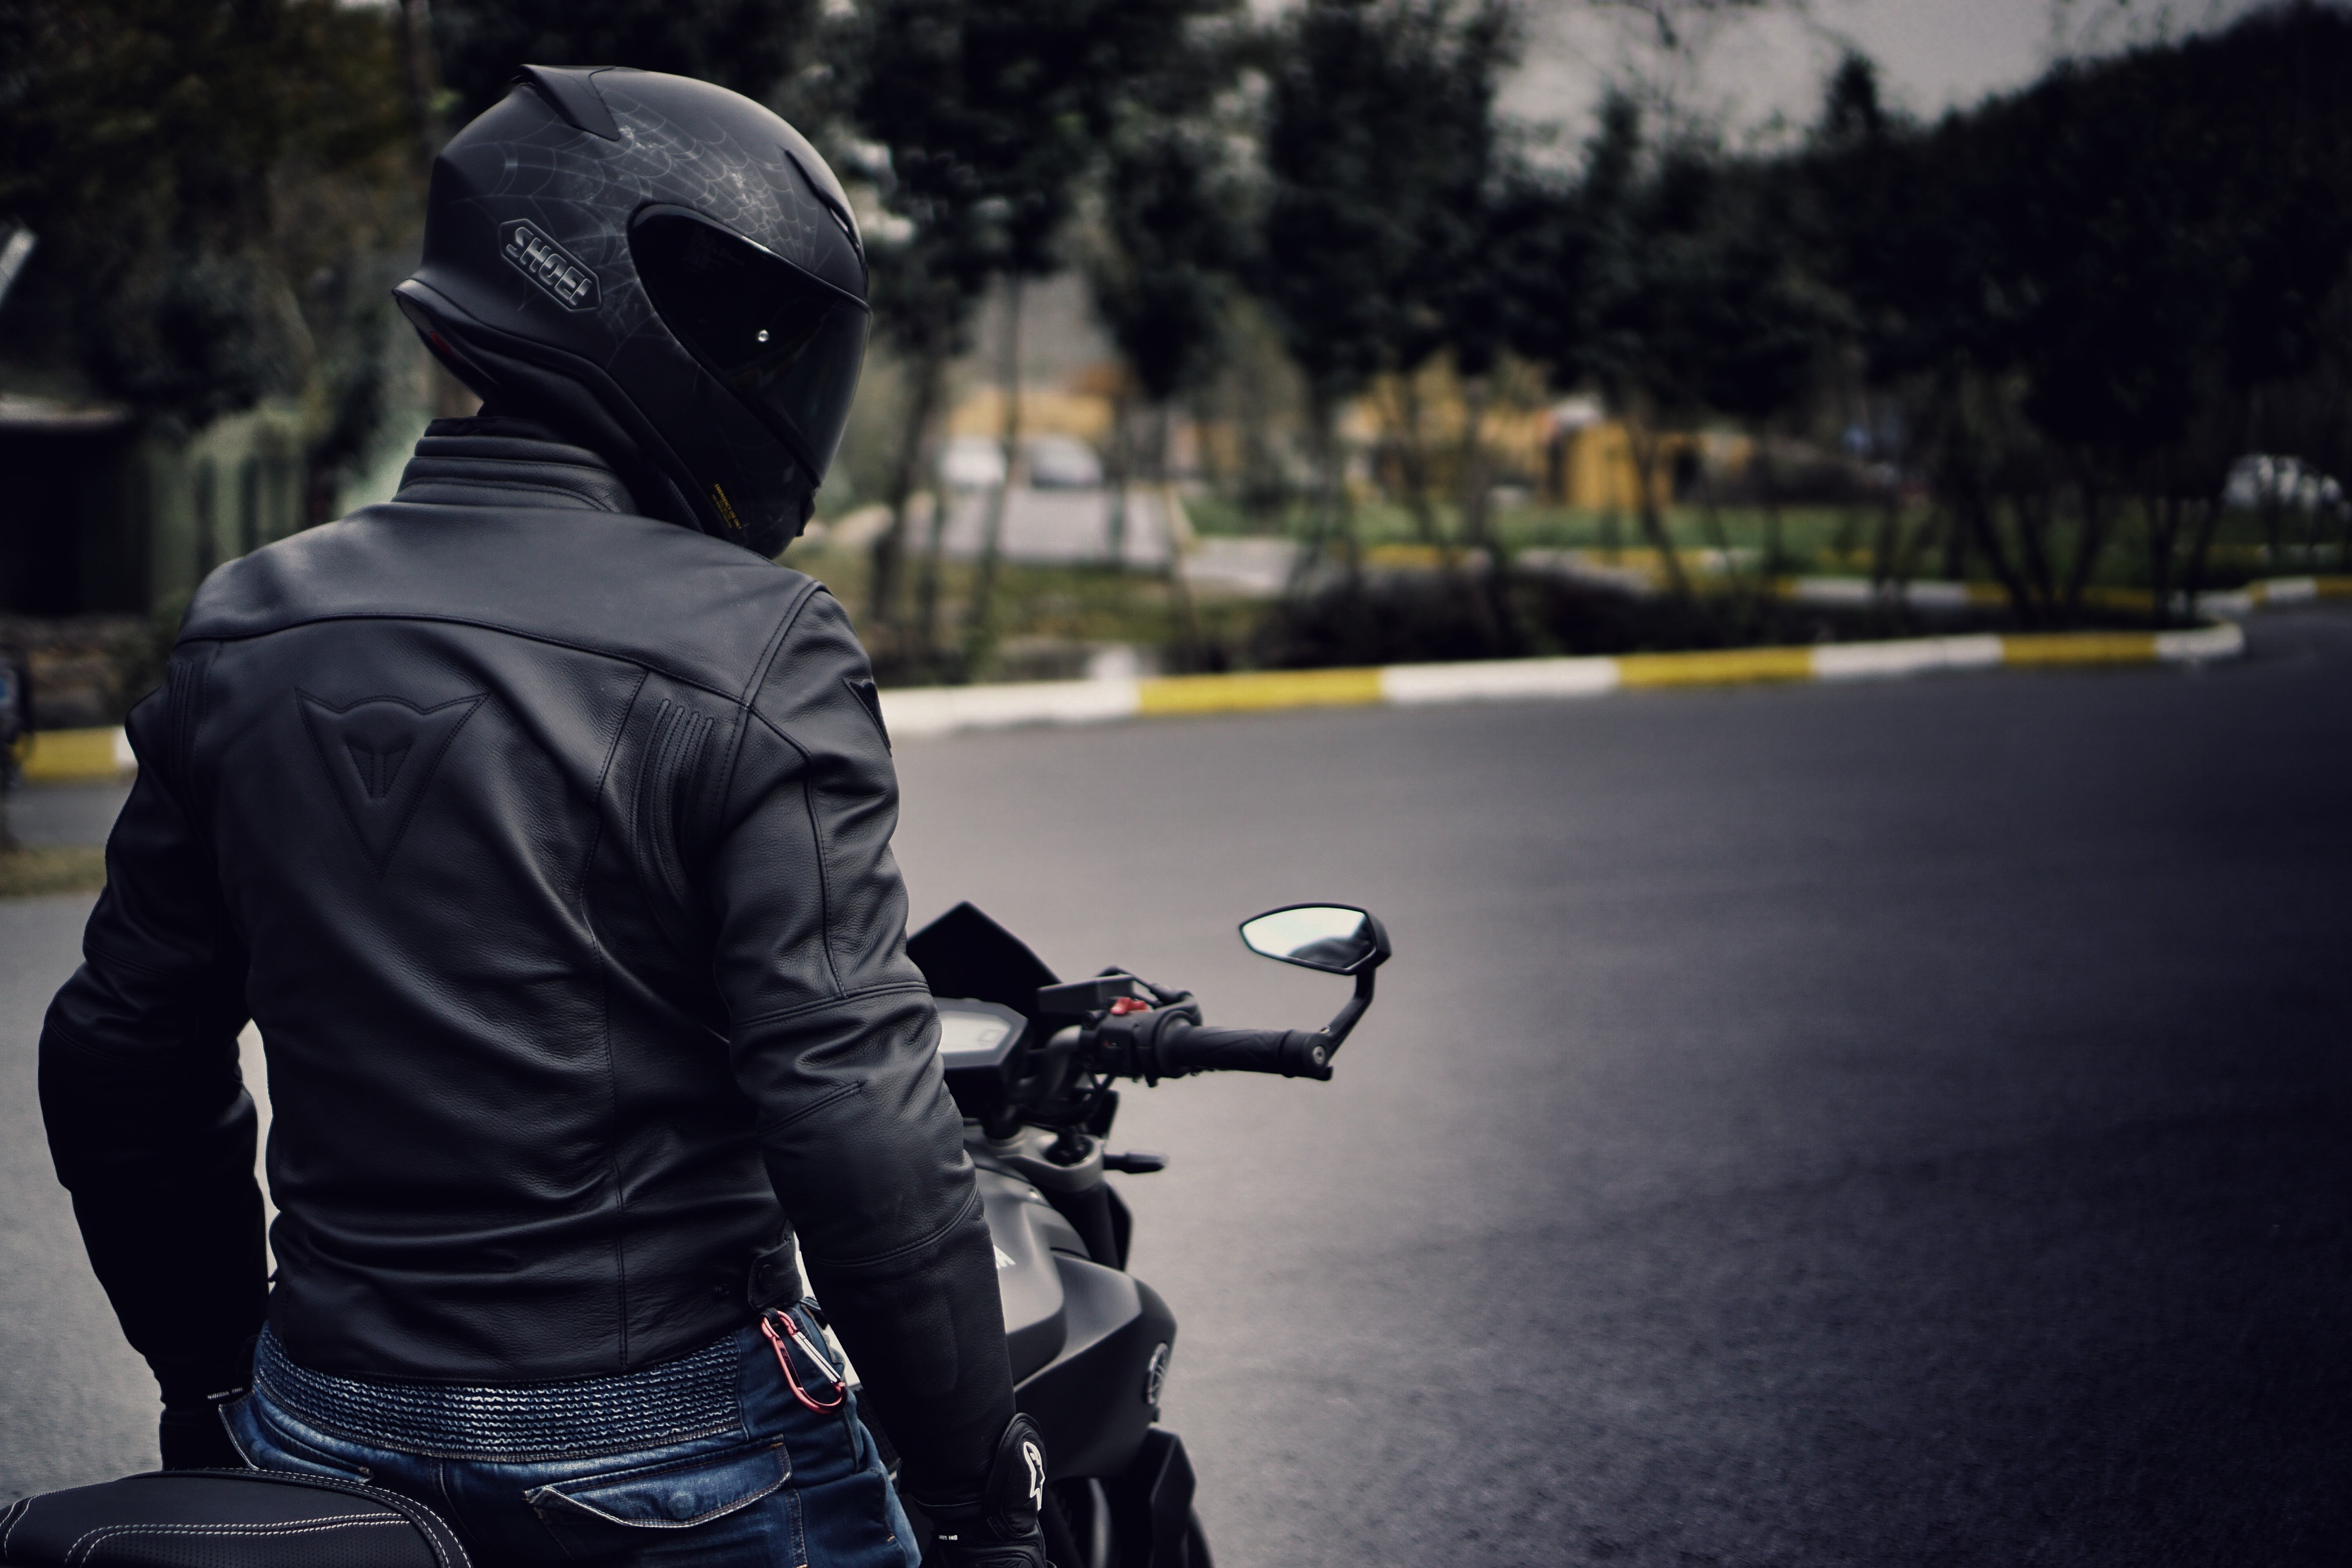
(548, 845)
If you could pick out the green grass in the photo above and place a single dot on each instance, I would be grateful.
(1809, 534)
(1827, 541)
(1046, 616)
(1036, 606)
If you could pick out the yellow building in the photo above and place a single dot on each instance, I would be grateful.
(1588, 461)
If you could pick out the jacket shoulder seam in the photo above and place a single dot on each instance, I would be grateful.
(749, 702)
(802, 596)
(747, 698)
(635, 660)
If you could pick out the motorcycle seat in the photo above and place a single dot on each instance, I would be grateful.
(213, 1518)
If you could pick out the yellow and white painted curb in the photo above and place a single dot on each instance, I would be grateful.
(62, 755)
(2275, 591)
(940, 710)
(1859, 591)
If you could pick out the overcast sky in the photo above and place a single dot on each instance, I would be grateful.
(1933, 54)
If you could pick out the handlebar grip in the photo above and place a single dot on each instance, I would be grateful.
(1292, 1053)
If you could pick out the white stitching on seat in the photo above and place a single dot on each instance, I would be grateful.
(85, 1545)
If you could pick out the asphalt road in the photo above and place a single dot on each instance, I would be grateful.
(1874, 1124)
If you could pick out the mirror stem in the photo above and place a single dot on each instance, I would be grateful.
(1338, 1028)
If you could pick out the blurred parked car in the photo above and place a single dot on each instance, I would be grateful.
(1061, 463)
(1047, 463)
(971, 463)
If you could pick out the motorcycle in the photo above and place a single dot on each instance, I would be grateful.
(1034, 1064)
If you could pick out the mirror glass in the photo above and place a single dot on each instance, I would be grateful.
(1318, 936)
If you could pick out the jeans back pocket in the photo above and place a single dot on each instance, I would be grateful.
(602, 1513)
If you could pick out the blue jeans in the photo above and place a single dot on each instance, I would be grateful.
(747, 1476)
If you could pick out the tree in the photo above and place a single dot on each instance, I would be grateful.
(1445, 298)
(926, 282)
(207, 180)
(1046, 82)
(1762, 328)
(1534, 273)
(990, 112)
(1169, 233)
(1555, 244)
(1464, 269)
(1172, 215)
(902, 85)
(1346, 173)
(2094, 283)
(749, 45)
(1647, 278)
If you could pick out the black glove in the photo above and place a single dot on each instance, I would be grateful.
(999, 1528)
(194, 1388)
(193, 1438)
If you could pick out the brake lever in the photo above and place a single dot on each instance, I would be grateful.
(1085, 998)
(1166, 996)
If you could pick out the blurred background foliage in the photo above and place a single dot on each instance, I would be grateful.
(754, 46)
(208, 183)
(1477, 376)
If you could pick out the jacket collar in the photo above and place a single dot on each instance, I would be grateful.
(498, 461)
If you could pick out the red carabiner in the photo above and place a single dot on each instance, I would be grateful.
(768, 1322)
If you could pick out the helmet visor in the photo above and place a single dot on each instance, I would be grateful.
(786, 343)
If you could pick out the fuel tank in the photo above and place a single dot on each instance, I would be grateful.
(1089, 1344)
(1030, 1236)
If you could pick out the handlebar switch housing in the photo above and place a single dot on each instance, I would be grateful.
(1083, 998)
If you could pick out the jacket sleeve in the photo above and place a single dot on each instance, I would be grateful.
(833, 1037)
(148, 1123)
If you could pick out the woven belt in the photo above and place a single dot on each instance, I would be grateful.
(693, 1397)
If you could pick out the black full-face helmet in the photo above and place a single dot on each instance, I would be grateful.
(667, 273)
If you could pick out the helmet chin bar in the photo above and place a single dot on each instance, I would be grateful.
(584, 406)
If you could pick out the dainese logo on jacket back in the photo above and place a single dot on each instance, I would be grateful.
(564, 276)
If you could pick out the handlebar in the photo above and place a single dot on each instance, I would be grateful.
(1292, 1053)
(1169, 1043)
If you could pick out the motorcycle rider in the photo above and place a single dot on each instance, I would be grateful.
(541, 823)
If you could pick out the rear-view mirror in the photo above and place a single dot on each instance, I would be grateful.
(1334, 938)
